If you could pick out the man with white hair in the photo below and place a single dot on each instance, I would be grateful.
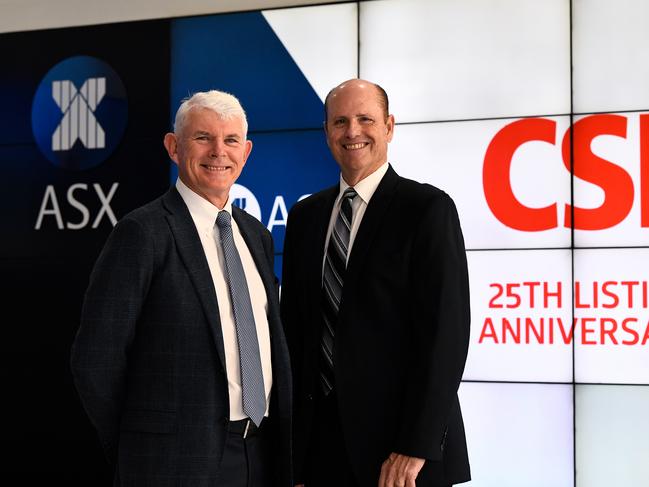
(180, 360)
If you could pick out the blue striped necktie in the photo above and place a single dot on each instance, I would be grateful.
(252, 378)
(332, 285)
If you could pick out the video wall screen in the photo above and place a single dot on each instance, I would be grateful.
(533, 116)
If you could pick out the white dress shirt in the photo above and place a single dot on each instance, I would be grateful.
(204, 215)
(365, 188)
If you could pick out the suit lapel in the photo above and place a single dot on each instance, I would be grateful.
(317, 249)
(192, 254)
(374, 216)
(321, 223)
(313, 233)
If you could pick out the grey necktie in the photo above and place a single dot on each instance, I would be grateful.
(332, 286)
(252, 379)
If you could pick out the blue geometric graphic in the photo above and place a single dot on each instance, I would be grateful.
(241, 54)
(79, 113)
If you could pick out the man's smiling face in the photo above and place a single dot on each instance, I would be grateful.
(358, 131)
(210, 153)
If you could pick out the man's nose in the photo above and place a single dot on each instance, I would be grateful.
(353, 129)
(217, 148)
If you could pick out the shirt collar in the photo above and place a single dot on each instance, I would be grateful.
(203, 212)
(366, 187)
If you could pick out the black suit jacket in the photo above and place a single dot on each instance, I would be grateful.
(148, 360)
(402, 333)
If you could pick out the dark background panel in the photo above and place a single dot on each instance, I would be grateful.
(44, 272)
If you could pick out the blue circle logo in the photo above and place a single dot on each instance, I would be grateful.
(79, 113)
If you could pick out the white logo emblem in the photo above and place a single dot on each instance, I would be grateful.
(78, 109)
(244, 199)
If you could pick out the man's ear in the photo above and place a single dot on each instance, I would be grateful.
(171, 144)
(247, 150)
(390, 127)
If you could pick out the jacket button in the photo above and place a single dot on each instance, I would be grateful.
(309, 397)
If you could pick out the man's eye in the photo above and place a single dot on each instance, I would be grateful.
(339, 122)
(202, 138)
(231, 140)
(366, 120)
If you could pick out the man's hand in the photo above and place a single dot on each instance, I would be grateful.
(400, 471)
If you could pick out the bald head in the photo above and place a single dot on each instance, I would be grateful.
(381, 95)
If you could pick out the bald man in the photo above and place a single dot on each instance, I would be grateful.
(375, 303)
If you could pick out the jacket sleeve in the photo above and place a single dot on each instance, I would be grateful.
(117, 289)
(288, 298)
(293, 330)
(440, 331)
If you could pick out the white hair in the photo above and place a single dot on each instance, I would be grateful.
(225, 105)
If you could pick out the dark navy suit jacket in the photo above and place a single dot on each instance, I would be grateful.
(148, 360)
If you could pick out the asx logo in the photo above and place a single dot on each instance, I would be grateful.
(616, 183)
(78, 108)
(79, 113)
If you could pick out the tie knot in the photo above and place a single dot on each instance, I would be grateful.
(223, 219)
(350, 193)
